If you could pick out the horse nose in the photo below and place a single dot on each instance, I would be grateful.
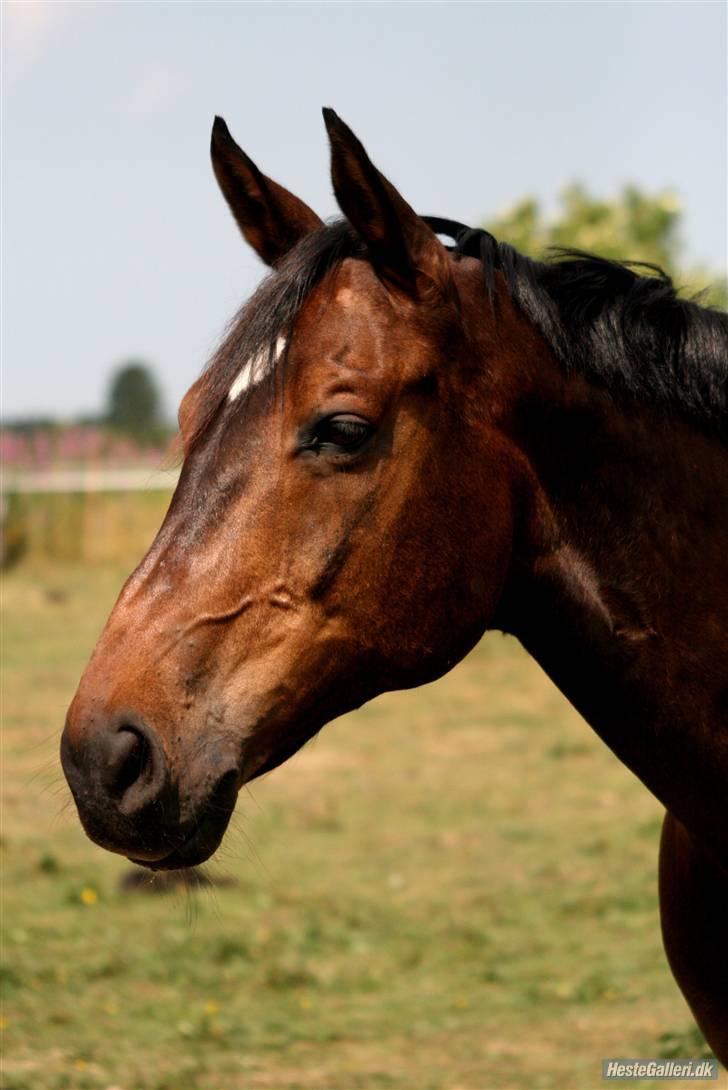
(117, 771)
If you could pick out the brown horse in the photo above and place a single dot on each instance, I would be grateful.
(398, 446)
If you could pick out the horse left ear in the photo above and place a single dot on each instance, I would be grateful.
(405, 252)
(271, 219)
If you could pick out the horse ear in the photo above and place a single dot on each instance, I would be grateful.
(271, 219)
(403, 249)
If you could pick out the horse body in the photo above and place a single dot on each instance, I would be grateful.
(393, 451)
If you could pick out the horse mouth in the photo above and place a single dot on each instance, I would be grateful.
(206, 835)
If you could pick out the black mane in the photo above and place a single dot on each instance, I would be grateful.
(632, 334)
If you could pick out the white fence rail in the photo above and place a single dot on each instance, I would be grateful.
(91, 480)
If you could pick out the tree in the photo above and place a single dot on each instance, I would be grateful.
(134, 403)
(633, 226)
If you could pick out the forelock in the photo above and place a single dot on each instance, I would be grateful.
(252, 350)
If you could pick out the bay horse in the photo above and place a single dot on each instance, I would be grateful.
(401, 444)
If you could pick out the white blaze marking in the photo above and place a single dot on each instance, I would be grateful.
(254, 370)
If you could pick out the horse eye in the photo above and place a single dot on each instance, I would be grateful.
(341, 433)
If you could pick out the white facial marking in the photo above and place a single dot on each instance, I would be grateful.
(254, 370)
(241, 382)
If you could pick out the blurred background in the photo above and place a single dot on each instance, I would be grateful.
(452, 887)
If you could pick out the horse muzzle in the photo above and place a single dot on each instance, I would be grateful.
(129, 801)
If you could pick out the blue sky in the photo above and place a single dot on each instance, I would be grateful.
(117, 243)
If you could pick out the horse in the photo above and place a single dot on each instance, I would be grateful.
(412, 433)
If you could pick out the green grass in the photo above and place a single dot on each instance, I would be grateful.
(451, 888)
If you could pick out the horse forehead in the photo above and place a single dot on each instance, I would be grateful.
(345, 297)
(352, 302)
(356, 289)
(355, 284)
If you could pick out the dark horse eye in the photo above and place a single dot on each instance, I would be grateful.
(340, 434)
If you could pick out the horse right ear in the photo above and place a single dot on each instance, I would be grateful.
(404, 251)
(271, 219)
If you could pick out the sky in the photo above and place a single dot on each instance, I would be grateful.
(118, 245)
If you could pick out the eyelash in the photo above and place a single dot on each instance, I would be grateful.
(340, 434)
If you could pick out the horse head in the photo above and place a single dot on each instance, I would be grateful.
(343, 523)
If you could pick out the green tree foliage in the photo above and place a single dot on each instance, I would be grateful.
(134, 404)
(633, 226)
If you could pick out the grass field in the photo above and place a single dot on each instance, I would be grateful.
(451, 888)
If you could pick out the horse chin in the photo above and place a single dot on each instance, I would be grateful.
(205, 836)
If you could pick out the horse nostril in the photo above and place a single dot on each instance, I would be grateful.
(129, 757)
(135, 768)
(121, 779)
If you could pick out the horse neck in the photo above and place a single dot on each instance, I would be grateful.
(619, 586)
